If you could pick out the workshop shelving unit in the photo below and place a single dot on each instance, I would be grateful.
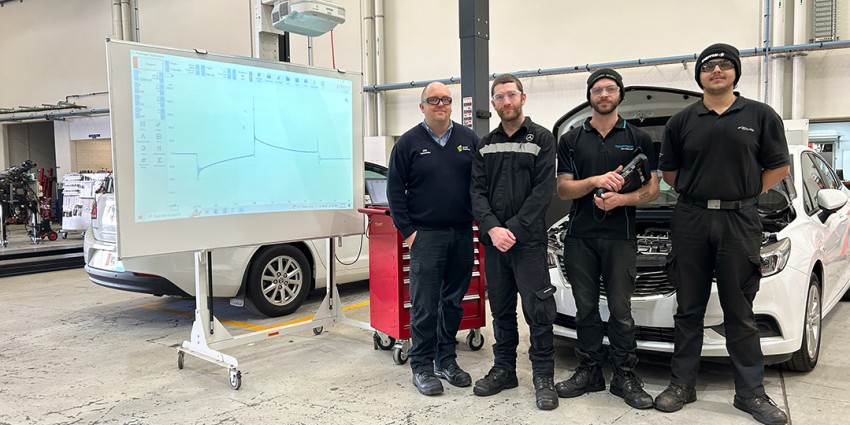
(389, 290)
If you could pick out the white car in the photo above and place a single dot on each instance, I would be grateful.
(804, 252)
(271, 279)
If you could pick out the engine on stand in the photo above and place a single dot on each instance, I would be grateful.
(21, 205)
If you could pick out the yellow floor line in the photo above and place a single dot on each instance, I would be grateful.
(158, 307)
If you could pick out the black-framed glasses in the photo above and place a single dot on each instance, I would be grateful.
(611, 90)
(435, 100)
(724, 64)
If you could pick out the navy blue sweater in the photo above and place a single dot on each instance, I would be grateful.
(428, 184)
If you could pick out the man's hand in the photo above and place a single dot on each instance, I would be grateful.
(608, 201)
(409, 240)
(503, 239)
(611, 181)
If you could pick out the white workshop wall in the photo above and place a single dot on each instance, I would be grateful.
(54, 48)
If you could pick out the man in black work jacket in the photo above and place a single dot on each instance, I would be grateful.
(720, 153)
(600, 240)
(513, 178)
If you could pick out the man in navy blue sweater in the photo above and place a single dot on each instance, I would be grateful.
(428, 191)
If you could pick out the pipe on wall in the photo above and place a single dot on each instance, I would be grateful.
(127, 21)
(766, 61)
(56, 115)
(117, 26)
(368, 63)
(776, 93)
(798, 62)
(635, 63)
(380, 102)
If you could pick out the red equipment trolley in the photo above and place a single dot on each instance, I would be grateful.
(389, 292)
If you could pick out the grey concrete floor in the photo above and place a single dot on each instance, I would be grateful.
(76, 353)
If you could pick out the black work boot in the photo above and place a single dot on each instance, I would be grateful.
(626, 384)
(427, 383)
(762, 408)
(454, 374)
(544, 387)
(674, 397)
(497, 379)
(586, 379)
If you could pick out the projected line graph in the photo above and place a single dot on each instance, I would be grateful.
(257, 141)
(239, 139)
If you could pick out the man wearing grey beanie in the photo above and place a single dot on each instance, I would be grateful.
(719, 154)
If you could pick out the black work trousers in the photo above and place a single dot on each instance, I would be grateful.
(440, 269)
(723, 244)
(614, 260)
(522, 270)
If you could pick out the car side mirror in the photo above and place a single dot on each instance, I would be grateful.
(830, 201)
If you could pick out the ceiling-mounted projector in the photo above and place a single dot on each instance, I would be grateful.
(307, 17)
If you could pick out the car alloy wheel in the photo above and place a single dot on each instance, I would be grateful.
(806, 358)
(279, 280)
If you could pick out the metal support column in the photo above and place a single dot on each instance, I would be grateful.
(474, 61)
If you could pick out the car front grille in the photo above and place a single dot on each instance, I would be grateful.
(642, 333)
(649, 283)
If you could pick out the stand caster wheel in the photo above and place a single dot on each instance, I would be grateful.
(180, 356)
(318, 330)
(384, 342)
(399, 356)
(474, 340)
(64, 235)
(235, 379)
(52, 236)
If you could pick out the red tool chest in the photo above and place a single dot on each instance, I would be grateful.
(389, 291)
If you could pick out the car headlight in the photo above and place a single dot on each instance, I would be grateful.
(774, 257)
(554, 244)
(551, 261)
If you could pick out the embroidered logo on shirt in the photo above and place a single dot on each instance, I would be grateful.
(425, 152)
(462, 148)
(529, 137)
(624, 147)
(745, 128)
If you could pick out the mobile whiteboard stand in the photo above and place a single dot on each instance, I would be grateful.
(209, 335)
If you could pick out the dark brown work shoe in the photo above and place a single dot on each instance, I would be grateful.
(674, 398)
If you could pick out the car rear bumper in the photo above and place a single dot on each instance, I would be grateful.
(128, 281)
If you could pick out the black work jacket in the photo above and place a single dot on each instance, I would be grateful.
(513, 179)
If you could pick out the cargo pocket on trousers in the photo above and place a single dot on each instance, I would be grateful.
(672, 271)
(544, 306)
(752, 284)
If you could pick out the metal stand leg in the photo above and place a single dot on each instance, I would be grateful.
(209, 335)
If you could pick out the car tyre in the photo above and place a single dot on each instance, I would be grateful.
(806, 358)
(279, 280)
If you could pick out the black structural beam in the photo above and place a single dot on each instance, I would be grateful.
(474, 61)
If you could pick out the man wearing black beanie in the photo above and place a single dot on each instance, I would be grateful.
(720, 154)
(601, 238)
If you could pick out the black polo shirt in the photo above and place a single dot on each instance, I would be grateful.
(583, 153)
(722, 156)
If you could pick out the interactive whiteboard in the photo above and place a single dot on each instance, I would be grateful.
(214, 151)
